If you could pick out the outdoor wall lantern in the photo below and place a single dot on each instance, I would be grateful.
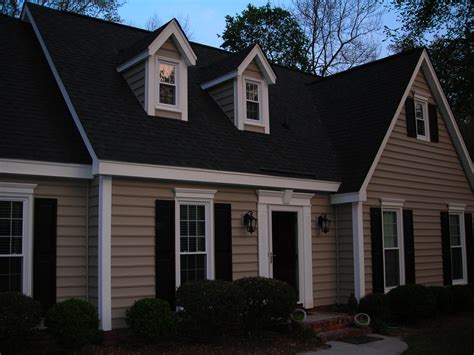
(250, 222)
(324, 223)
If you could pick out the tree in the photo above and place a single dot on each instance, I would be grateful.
(274, 28)
(106, 9)
(154, 22)
(445, 28)
(339, 32)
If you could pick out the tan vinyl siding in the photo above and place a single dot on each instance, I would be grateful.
(253, 71)
(135, 78)
(71, 229)
(169, 50)
(428, 176)
(93, 271)
(133, 238)
(223, 95)
(345, 251)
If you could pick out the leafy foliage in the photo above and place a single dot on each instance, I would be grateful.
(73, 322)
(462, 298)
(375, 305)
(411, 303)
(274, 28)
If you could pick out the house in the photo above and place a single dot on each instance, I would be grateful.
(129, 160)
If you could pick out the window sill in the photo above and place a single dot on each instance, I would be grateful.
(423, 138)
(254, 123)
(459, 282)
(168, 108)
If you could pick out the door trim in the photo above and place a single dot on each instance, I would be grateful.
(287, 201)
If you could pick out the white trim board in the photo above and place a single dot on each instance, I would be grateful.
(348, 197)
(44, 168)
(210, 176)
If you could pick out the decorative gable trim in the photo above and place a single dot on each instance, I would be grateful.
(262, 62)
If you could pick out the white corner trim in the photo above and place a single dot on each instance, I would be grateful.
(348, 197)
(200, 194)
(420, 97)
(219, 80)
(391, 202)
(131, 62)
(262, 62)
(211, 176)
(457, 207)
(285, 197)
(44, 168)
(61, 86)
(358, 249)
(14, 188)
(105, 258)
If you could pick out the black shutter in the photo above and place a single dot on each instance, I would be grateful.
(469, 247)
(433, 123)
(223, 241)
(165, 251)
(377, 249)
(44, 251)
(410, 116)
(409, 247)
(446, 249)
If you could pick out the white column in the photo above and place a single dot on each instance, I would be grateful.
(263, 235)
(308, 258)
(105, 221)
(358, 249)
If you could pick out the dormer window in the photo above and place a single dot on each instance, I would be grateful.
(421, 116)
(167, 84)
(252, 93)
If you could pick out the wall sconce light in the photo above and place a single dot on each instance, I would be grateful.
(250, 222)
(324, 223)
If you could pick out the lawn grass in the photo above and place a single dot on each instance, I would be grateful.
(444, 335)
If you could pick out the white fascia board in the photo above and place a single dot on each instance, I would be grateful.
(60, 84)
(264, 65)
(44, 168)
(210, 176)
(180, 40)
(219, 80)
(131, 62)
(348, 197)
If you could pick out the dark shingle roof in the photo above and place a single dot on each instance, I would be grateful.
(35, 122)
(85, 52)
(357, 107)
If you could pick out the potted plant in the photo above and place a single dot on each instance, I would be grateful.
(362, 320)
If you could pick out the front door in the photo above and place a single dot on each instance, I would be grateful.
(285, 247)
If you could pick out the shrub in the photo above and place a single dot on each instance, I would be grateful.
(19, 316)
(352, 304)
(208, 309)
(267, 302)
(443, 297)
(150, 319)
(410, 303)
(375, 305)
(462, 298)
(73, 322)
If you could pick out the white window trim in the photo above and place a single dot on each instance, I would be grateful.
(424, 102)
(177, 84)
(401, 254)
(458, 209)
(23, 193)
(241, 107)
(185, 196)
(259, 84)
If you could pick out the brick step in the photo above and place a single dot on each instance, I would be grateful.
(342, 333)
(335, 323)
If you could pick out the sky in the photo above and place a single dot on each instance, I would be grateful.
(207, 17)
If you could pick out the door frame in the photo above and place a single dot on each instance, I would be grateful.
(287, 201)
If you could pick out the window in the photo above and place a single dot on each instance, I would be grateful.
(252, 94)
(11, 245)
(456, 234)
(167, 84)
(392, 251)
(421, 118)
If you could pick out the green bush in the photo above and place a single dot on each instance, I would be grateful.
(375, 305)
(410, 303)
(150, 319)
(19, 316)
(208, 309)
(444, 298)
(462, 298)
(267, 303)
(73, 322)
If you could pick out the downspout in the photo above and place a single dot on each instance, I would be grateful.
(87, 240)
(337, 259)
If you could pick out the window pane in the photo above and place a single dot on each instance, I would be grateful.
(17, 227)
(200, 213)
(167, 94)
(10, 274)
(16, 245)
(192, 228)
(193, 267)
(392, 268)
(5, 227)
(455, 229)
(5, 245)
(252, 110)
(390, 229)
(5, 209)
(419, 111)
(456, 263)
(420, 127)
(17, 209)
(251, 91)
(167, 73)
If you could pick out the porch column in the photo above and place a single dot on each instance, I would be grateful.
(358, 249)
(105, 220)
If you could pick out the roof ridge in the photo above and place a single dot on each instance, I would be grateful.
(377, 61)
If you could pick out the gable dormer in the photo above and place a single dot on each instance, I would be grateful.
(239, 85)
(156, 69)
